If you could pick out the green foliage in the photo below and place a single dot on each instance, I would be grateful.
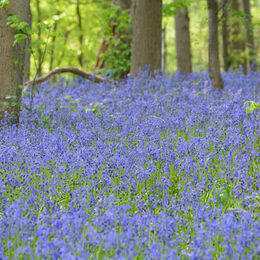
(4, 3)
(116, 30)
(67, 45)
(169, 8)
(251, 106)
(22, 30)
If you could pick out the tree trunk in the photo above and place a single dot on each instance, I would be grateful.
(11, 74)
(80, 52)
(214, 66)
(147, 33)
(183, 46)
(164, 50)
(27, 63)
(249, 34)
(53, 41)
(237, 39)
(39, 32)
(66, 36)
(225, 36)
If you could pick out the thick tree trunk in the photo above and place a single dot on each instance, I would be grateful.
(11, 74)
(225, 36)
(249, 33)
(182, 35)
(214, 66)
(147, 33)
(238, 41)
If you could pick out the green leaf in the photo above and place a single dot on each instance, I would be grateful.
(4, 3)
(10, 97)
(251, 106)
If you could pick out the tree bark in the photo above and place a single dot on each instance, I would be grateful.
(39, 32)
(225, 36)
(11, 74)
(164, 50)
(53, 41)
(214, 66)
(237, 39)
(66, 36)
(249, 34)
(182, 35)
(27, 63)
(147, 33)
(80, 52)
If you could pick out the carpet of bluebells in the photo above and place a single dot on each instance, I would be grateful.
(159, 168)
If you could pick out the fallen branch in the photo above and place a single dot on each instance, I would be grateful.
(76, 71)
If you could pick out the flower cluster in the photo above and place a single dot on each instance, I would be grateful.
(160, 168)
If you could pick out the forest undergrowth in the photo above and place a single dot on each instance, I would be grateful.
(160, 168)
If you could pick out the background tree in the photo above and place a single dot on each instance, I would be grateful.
(237, 51)
(27, 62)
(54, 36)
(214, 65)
(225, 35)
(249, 32)
(12, 57)
(147, 33)
(81, 35)
(39, 35)
(183, 46)
(164, 48)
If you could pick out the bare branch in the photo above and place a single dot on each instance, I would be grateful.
(76, 71)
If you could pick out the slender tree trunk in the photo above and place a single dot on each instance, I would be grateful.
(53, 41)
(147, 33)
(225, 35)
(80, 53)
(11, 74)
(214, 66)
(183, 46)
(39, 32)
(238, 41)
(66, 36)
(164, 50)
(249, 33)
(27, 63)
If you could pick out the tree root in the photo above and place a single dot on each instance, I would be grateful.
(76, 71)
